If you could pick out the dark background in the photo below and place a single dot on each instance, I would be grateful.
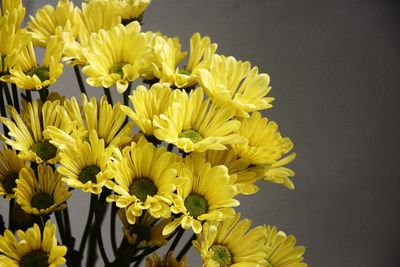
(334, 68)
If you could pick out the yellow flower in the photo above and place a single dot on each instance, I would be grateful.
(26, 130)
(206, 194)
(282, 250)
(235, 82)
(201, 51)
(115, 57)
(10, 166)
(148, 103)
(12, 12)
(145, 178)
(231, 243)
(31, 248)
(50, 22)
(43, 194)
(192, 124)
(167, 261)
(84, 164)
(147, 230)
(28, 75)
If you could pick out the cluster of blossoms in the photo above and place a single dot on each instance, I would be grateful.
(172, 157)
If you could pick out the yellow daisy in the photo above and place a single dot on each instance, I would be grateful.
(84, 165)
(50, 21)
(148, 103)
(28, 75)
(206, 194)
(43, 194)
(282, 250)
(145, 178)
(231, 243)
(26, 130)
(147, 230)
(235, 82)
(12, 12)
(201, 51)
(115, 57)
(10, 166)
(192, 124)
(168, 260)
(32, 248)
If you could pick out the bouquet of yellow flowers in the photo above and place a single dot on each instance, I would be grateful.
(171, 157)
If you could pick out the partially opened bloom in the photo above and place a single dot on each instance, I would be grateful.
(192, 124)
(145, 178)
(231, 81)
(282, 250)
(32, 248)
(231, 243)
(168, 260)
(206, 194)
(43, 194)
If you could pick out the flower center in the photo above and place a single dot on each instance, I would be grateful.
(184, 71)
(44, 150)
(196, 205)
(118, 69)
(142, 187)
(192, 135)
(9, 183)
(89, 174)
(221, 255)
(41, 72)
(141, 231)
(37, 258)
(42, 200)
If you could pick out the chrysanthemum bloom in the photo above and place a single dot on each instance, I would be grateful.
(28, 75)
(146, 232)
(192, 124)
(145, 178)
(12, 12)
(205, 195)
(107, 120)
(148, 103)
(32, 248)
(10, 166)
(26, 130)
(115, 57)
(84, 164)
(265, 149)
(231, 243)
(168, 260)
(201, 51)
(282, 250)
(235, 82)
(43, 194)
(50, 21)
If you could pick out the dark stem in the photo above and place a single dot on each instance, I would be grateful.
(79, 79)
(11, 207)
(124, 254)
(113, 216)
(67, 224)
(138, 259)
(61, 228)
(3, 108)
(178, 237)
(7, 94)
(170, 147)
(15, 96)
(44, 93)
(88, 224)
(28, 95)
(108, 94)
(127, 93)
(186, 248)
(98, 222)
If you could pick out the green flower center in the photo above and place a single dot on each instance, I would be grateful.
(196, 205)
(142, 187)
(184, 71)
(9, 183)
(221, 255)
(37, 258)
(268, 264)
(141, 231)
(118, 69)
(192, 135)
(89, 174)
(42, 200)
(44, 150)
(41, 72)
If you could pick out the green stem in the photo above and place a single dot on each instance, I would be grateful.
(15, 96)
(79, 79)
(43, 94)
(108, 94)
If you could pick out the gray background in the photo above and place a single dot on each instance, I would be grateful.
(334, 68)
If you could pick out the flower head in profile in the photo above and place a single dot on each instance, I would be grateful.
(10, 166)
(282, 250)
(167, 260)
(193, 124)
(43, 194)
(231, 243)
(231, 81)
(32, 248)
(115, 56)
(145, 178)
(206, 193)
